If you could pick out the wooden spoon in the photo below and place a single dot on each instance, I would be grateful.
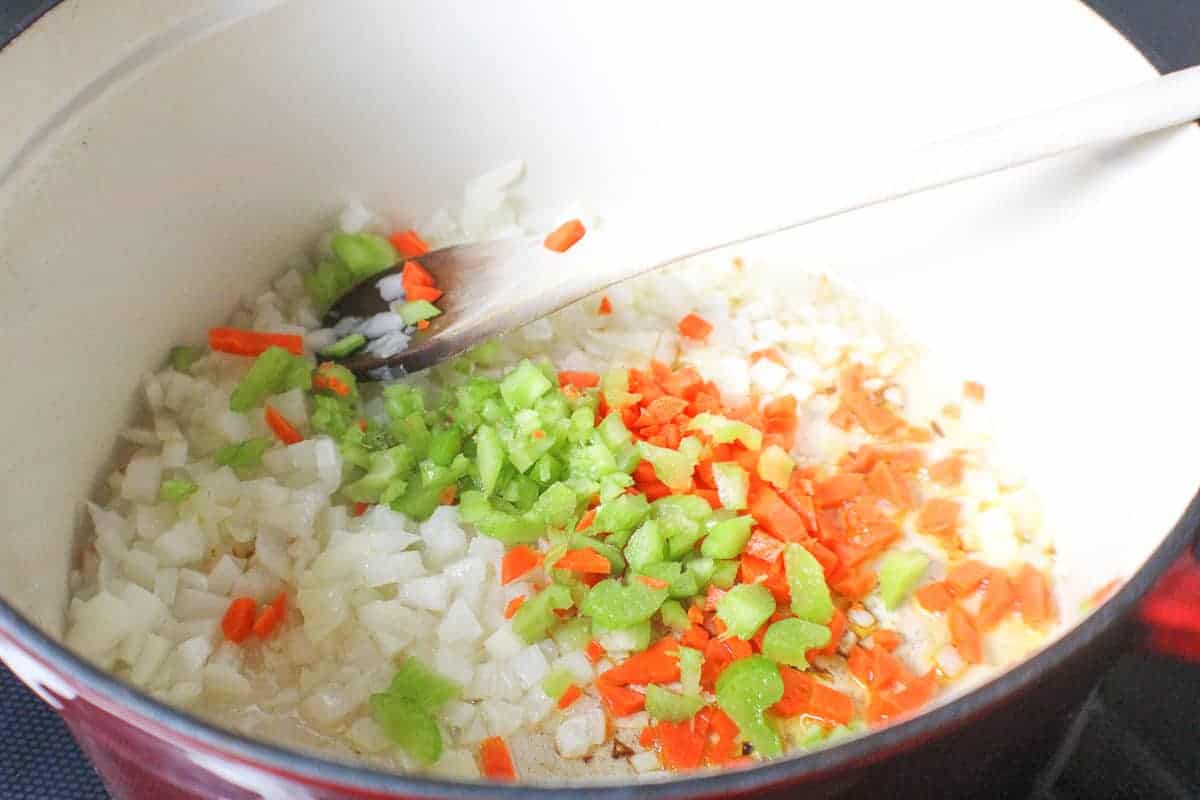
(494, 287)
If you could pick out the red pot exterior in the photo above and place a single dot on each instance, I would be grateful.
(138, 757)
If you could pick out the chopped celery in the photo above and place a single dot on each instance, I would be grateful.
(523, 386)
(623, 513)
(557, 682)
(678, 510)
(574, 634)
(615, 605)
(646, 546)
(547, 470)
(344, 346)
(402, 401)
(684, 586)
(666, 571)
(690, 662)
(745, 608)
(536, 616)
(681, 543)
(487, 354)
(614, 385)
(176, 491)
(580, 425)
(508, 527)
(445, 444)
(631, 638)
(727, 538)
(898, 574)
(328, 282)
(724, 573)
(724, 430)
(242, 454)
(384, 467)
(556, 505)
(332, 415)
(613, 486)
(592, 462)
(673, 615)
(788, 640)
(489, 458)
(613, 432)
(330, 375)
(274, 371)
(417, 501)
(732, 484)
(672, 467)
(775, 466)
(181, 358)
(702, 568)
(665, 705)
(416, 311)
(408, 726)
(746, 689)
(422, 686)
(364, 253)
(806, 580)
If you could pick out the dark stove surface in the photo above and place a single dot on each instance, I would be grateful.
(1138, 735)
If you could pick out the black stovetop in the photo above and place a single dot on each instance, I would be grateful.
(1136, 737)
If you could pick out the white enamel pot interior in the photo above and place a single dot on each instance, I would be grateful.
(156, 164)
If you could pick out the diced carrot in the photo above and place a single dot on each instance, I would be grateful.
(875, 418)
(891, 486)
(586, 520)
(269, 618)
(620, 701)
(605, 307)
(517, 562)
(514, 606)
(653, 583)
(658, 664)
(414, 274)
(887, 639)
(562, 238)
(238, 622)
(429, 293)
(422, 324)
(764, 546)
(695, 327)
(496, 760)
(665, 408)
(998, 597)
(569, 696)
(447, 496)
(948, 471)
(723, 745)
(855, 585)
(594, 651)
(769, 353)
(696, 637)
(804, 694)
(839, 489)
(973, 391)
(939, 517)
(283, 430)
(769, 574)
(681, 744)
(966, 577)
(964, 634)
(408, 244)
(695, 614)
(1103, 593)
(1033, 594)
(252, 343)
(951, 410)
(837, 628)
(359, 509)
(584, 560)
(934, 596)
(580, 380)
(772, 513)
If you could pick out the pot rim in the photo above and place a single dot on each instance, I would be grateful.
(190, 732)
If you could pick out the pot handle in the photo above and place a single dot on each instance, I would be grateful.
(1171, 610)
